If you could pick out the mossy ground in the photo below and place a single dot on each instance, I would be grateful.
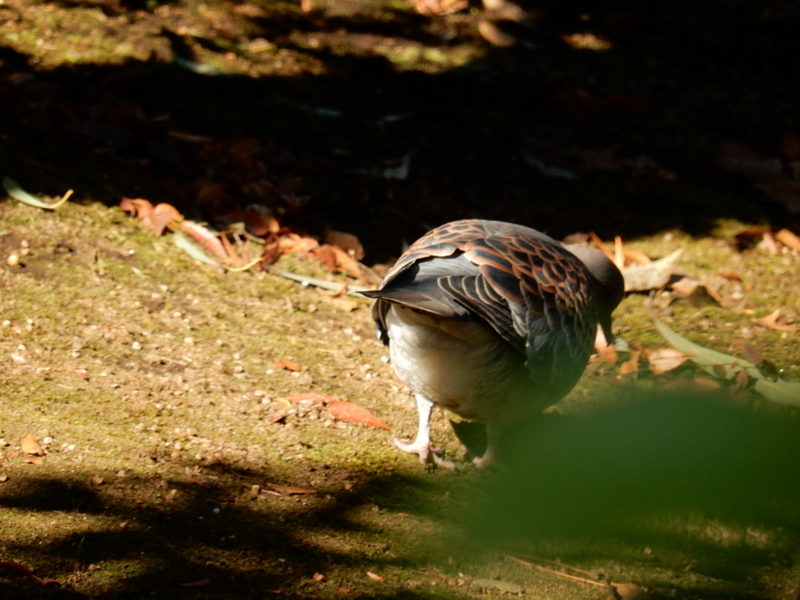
(150, 380)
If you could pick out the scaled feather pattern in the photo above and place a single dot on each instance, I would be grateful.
(493, 321)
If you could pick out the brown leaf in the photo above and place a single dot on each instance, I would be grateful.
(135, 206)
(664, 360)
(164, 216)
(97, 480)
(32, 460)
(254, 222)
(775, 321)
(295, 244)
(619, 253)
(347, 242)
(375, 577)
(749, 237)
(727, 275)
(327, 256)
(638, 257)
(203, 236)
(289, 489)
(29, 445)
(598, 243)
(787, 238)
(154, 220)
(606, 355)
(287, 364)
(749, 352)
(318, 577)
(697, 292)
(630, 366)
(352, 413)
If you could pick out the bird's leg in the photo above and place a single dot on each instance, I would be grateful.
(493, 433)
(422, 444)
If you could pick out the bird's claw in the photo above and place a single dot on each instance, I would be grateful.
(427, 453)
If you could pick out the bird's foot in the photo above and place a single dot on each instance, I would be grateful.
(483, 462)
(426, 452)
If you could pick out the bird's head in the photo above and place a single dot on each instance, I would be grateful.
(611, 283)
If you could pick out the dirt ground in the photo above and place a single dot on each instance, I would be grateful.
(175, 456)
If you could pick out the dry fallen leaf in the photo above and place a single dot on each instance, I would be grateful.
(787, 238)
(287, 364)
(728, 275)
(769, 243)
(749, 237)
(630, 366)
(352, 413)
(205, 237)
(254, 222)
(598, 243)
(653, 276)
(775, 321)
(347, 242)
(664, 360)
(375, 577)
(29, 445)
(295, 244)
(698, 293)
(606, 354)
(97, 480)
(638, 257)
(749, 352)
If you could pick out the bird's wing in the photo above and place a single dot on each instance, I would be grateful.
(533, 293)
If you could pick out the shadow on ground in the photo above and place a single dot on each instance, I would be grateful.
(530, 134)
(684, 495)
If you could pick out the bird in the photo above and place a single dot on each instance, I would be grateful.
(492, 321)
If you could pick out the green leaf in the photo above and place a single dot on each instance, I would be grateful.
(192, 249)
(15, 191)
(776, 390)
